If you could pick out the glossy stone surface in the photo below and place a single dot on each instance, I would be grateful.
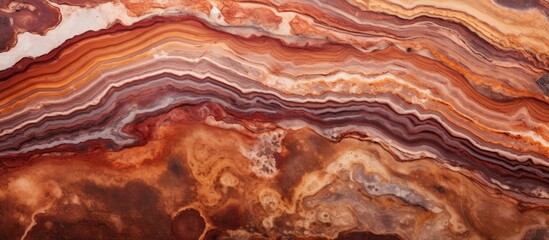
(274, 119)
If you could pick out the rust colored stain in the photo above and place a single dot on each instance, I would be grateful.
(329, 119)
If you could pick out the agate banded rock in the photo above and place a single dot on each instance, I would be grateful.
(280, 119)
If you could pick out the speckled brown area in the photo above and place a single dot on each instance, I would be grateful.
(219, 119)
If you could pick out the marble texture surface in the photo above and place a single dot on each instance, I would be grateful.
(211, 119)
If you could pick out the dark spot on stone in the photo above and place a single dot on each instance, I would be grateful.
(278, 159)
(366, 236)
(228, 217)
(111, 146)
(543, 84)
(177, 177)
(174, 166)
(279, 223)
(82, 147)
(4, 21)
(536, 234)
(188, 225)
(439, 189)
(7, 33)
(408, 50)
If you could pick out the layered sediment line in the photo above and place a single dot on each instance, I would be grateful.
(279, 119)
